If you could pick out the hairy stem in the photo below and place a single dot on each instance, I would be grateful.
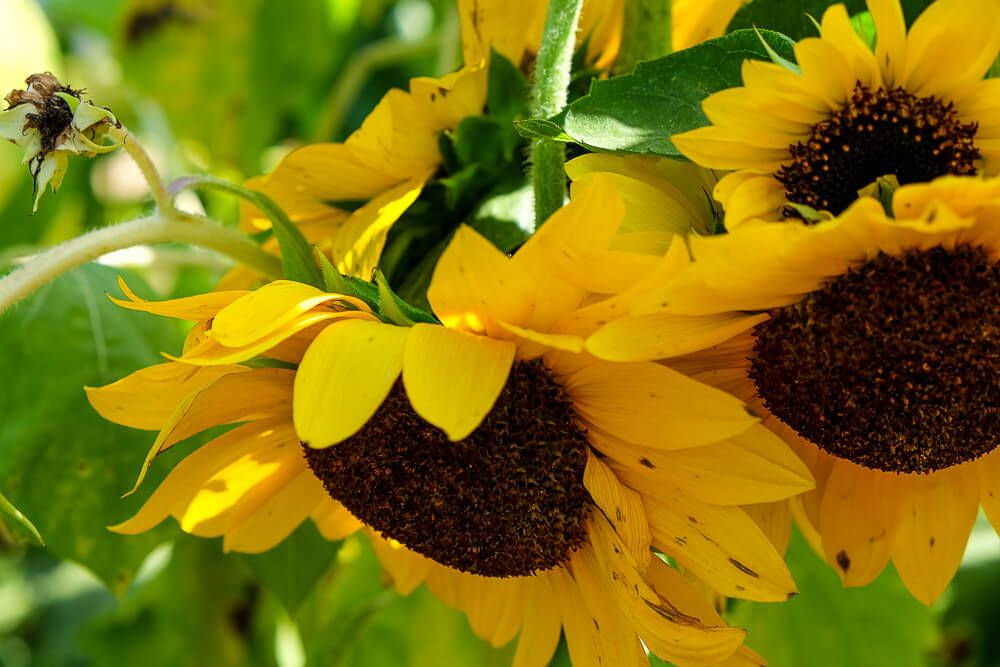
(145, 163)
(548, 97)
(160, 228)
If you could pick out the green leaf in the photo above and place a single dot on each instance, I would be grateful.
(355, 620)
(638, 113)
(838, 623)
(8, 508)
(394, 309)
(292, 569)
(791, 17)
(62, 464)
(193, 606)
(538, 128)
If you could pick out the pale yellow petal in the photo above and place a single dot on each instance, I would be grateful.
(146, 398)
(622, 506)
(720, 545)
(653, 406)
(859, 512)
(935, 522)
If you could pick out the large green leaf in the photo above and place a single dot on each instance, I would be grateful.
(827, 624)
(292, 569)
(792, 17)
(639, 112)
(60, 463)
(356, 620)
(196, 609)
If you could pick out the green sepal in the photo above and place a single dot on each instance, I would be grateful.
(18, 516)
(393, 309)
(337, 283)
(539, 128)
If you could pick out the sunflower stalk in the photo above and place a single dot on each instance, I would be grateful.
(164, 202)
(548, 97)
(159, 228)
(645, 33)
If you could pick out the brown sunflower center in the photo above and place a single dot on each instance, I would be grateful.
(506, 501)
(880, 133)
(895, 365)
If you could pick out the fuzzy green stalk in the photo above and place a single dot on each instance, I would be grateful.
(646, 33)
(159, 228)
(548, 97)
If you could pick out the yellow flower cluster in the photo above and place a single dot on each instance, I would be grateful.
(595, 435)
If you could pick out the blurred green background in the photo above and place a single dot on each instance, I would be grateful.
(229, 86)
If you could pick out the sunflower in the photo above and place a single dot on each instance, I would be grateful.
(521, 479)
(816, 134)
(694, 21)
(872, 346)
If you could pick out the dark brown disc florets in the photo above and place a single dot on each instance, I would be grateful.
(895, 365)
(506, 501)
(878, 133)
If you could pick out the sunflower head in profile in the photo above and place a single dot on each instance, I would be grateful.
(872, 346)
(816, 134)
(485, 453)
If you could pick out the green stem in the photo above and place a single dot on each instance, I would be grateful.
(160, 228)
(548, 97)
(145, 163)
(646, 33)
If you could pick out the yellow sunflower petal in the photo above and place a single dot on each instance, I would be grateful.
(201, 307)
(775, 519)
(890, 50)
(255, 394)
(663, 335)
(268, 309)
(667, 631)
(582, 638)
(859, 513)
(277, 517)
(755, 466)
(453, 378)
(333, 520)
(345, 375)
(622, 506)
(988, 468)
(274, 344)
(542, 625)
(357, 244)
(965, 30)
(474, 281)
(936, 519)
(494, 607)
(619, 644)
(236, 491)
(633, 402)
(717, 148)
(838, 31)
(194, 471)
(720, 545)
(407, 568)
(146, 398)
